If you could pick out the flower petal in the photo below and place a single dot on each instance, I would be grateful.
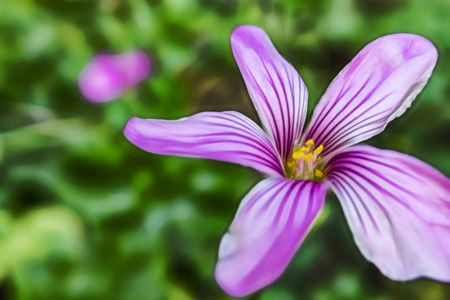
(269, 226)
(398, 209)
(277, 91)
(225, 136)
(377, 86)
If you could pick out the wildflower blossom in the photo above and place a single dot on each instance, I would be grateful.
(106, 77)
(398, 207)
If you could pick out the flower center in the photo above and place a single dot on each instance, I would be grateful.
(305, 163)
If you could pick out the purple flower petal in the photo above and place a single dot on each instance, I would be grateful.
(269, 226)
(377, 86)
(225, 136)
(277, 91)
(398, 209)
(106, 77)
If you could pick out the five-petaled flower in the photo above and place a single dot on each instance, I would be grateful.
(397, 206)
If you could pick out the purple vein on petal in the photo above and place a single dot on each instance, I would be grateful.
(347, 170)
(342, 189)
(345, 130)
(274, 125)
(329, 122)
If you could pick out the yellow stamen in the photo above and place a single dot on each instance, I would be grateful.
(304, 149)
(309, 142)
(319, 150)
(319, 173)
(308, 157)
(298, 154)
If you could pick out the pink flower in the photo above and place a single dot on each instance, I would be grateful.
(106, 77)
(397, 206)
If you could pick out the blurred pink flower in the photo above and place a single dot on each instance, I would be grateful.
(106, 77)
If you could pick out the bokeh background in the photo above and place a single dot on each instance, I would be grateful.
(84, 214)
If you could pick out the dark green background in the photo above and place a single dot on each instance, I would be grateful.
(84, 214)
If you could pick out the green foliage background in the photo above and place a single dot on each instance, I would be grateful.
(84, 214)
